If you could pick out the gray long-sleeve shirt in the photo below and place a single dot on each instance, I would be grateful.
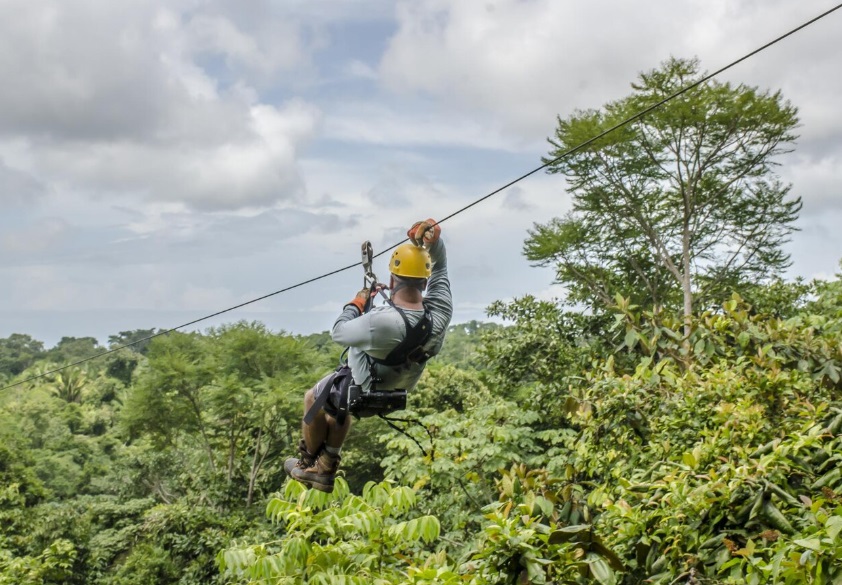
(380, 330)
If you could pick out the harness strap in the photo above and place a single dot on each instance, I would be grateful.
(341, 380)
(322, 395)
(410, 349)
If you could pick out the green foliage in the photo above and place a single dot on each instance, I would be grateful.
(137, 340)
(778, 298)
(180, 543)
(148, 564)
(18, 352)
(340, 538)
(463, 342)
(546, 343)
(53, 565)
(199, 427)
(64, 442)
(73, 349)
(230, 401)
(444, 387)
(121, 365)
(703, 463)
(457, 477)
(363, 452)
(69, 384)
(17, 477)
(529, 537)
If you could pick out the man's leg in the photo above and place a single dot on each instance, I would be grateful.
(316, 433)
(324, 429)
(336, 433)
(320, 447)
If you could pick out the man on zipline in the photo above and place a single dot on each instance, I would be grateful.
(388, 350)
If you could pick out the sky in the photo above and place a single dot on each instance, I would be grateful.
(164, 160)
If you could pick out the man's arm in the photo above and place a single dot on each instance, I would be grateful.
(351, 329)
(438, 298)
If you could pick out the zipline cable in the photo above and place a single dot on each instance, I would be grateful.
(565, 154)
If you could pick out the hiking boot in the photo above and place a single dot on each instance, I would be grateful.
(305, 460)
(320, 475)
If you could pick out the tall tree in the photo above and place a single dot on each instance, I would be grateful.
(232, 394)
(72, 349)
(677, 208)
(138, 338)
(18, 352)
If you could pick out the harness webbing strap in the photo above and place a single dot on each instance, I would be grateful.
(410, 347)
(341, 381)
(321, 399)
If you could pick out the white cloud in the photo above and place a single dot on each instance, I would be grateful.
(360, 70)
(380, 124)
(262, 43)
(817, 179)
(205, 298)
(17, 187)
(552, 293)
(256, 166)
(525, 61)
(398, 186)
(42, 235)
(331, 307)
(110, 98)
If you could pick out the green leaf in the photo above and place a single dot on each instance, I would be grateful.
(613, 559)
(577, 533)
(833, 526)
(813, 544)
(600, 569)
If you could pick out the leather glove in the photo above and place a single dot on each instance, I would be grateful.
(419, 234)
(363, 298)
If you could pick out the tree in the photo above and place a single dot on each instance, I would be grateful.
(73, 349)
(233, 395)
(678, 208)
(138, 340)
(18, 352)
(463, 343)
(69, 384)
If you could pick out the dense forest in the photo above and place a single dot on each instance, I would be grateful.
(677, 418)
(722, 461)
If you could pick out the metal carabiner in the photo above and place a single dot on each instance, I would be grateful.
(367, 258)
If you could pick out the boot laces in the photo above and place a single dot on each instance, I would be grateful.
(304, 464)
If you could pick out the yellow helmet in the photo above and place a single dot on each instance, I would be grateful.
(411, 261)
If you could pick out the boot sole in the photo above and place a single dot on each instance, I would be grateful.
(316, 486)
(312, 484)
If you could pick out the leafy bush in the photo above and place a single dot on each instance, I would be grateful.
(339, 538)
